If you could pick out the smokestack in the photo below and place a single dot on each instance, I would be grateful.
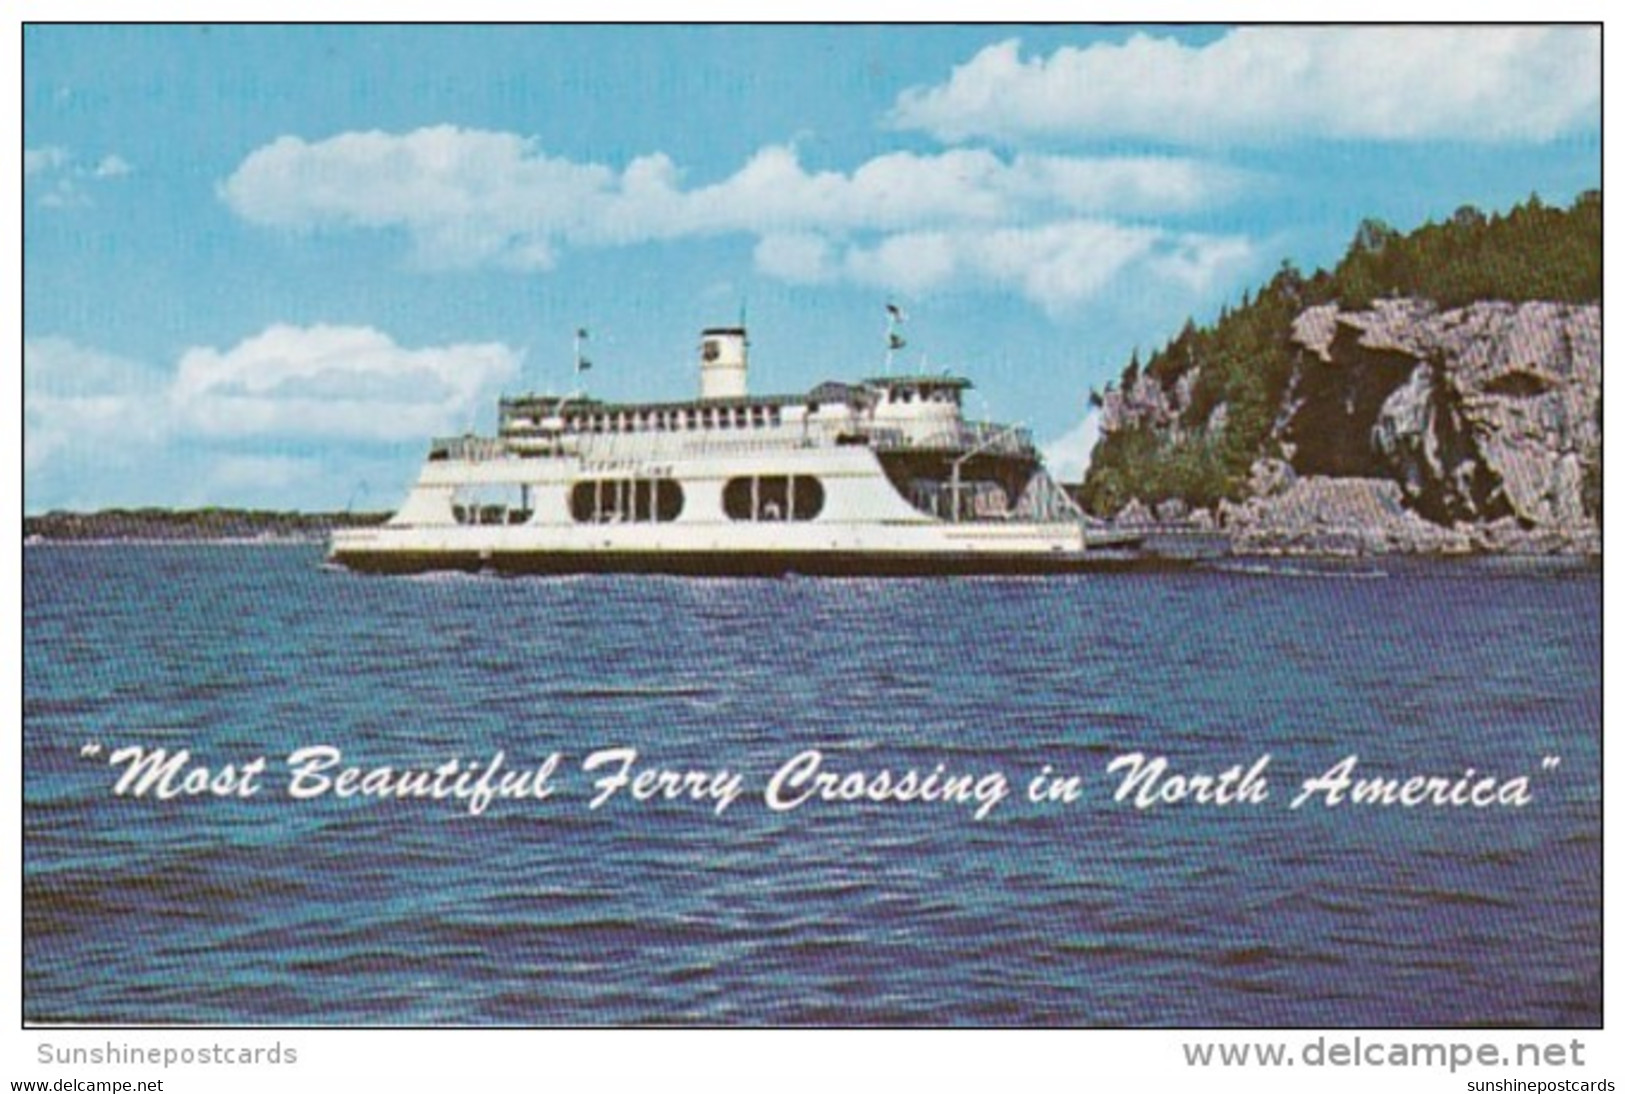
(724, 360)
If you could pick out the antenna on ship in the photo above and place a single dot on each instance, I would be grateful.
(361, 490)
(895, 318)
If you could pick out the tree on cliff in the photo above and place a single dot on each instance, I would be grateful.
(1245, 360)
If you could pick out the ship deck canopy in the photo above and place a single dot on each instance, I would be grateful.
(925, 382)
(571, 404)
(831, 391)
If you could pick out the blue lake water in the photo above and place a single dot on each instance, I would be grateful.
(369, 911)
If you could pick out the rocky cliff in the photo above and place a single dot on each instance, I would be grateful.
(1407, 427)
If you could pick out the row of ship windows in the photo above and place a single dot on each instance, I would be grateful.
(671, 421)
(748, 497)
(612, 501)
(659, 501)
(938, 395)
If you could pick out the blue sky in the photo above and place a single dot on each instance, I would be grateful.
(262, 265)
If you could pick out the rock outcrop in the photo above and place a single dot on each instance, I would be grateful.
(1481, 413)
(1321, 515)
(1409, 428)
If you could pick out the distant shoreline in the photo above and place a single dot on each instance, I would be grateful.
(260, 527)
(306, 540)
(207, 525)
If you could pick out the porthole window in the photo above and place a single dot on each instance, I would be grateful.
(737, 501)
(808, 499)
(620, 501)
(668, 500)
(769, 498)
(773, 497)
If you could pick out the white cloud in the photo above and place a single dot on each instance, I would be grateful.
(1200, 262)
(111, 167)
(1055, 265)
(339, 382)
(78, 398)
(39, 160)
(467, 198)
(797, 257)
(1068, 455)
(1269, 84)
(60, 368)
(115, 431)
(1058, 266)
(61, 182)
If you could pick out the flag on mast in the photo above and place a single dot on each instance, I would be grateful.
(582, 364)
(894, 341)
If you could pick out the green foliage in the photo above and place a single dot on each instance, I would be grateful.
(1246, 358)
(1136, 463)
(1535, 252)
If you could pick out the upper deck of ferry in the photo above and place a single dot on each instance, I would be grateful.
(888, 413)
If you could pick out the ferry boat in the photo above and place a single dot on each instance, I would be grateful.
(883, 477)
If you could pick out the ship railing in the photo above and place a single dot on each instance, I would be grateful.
(1042, 501)
(968, 437)
(470, 448)
(655, 446)
(1046, 501)
(1004, 440)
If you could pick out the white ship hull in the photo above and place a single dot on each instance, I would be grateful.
(897, 553)
(848, 480)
